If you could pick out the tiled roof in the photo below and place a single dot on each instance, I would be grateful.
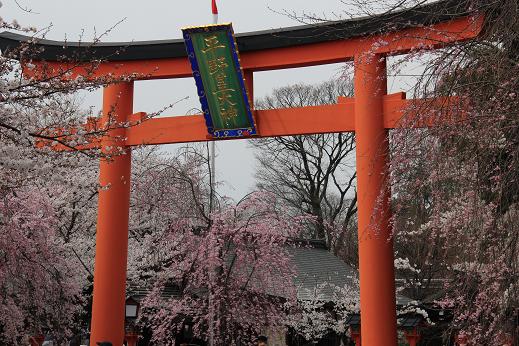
(316, 265)
(317, 272)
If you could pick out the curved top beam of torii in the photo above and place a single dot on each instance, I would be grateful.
(425, 27)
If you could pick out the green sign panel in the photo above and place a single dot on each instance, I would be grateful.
(214, 58)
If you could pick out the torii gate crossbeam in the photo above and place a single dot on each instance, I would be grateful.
(370, 114)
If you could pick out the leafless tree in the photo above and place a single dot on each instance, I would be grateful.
(312, 174)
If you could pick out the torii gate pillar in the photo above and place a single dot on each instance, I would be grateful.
(376, 259)
(108, 310)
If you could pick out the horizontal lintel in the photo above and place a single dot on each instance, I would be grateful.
(270, 123)
(340, 50)
(397, 113)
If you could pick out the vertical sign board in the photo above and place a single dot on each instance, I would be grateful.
(214, 58)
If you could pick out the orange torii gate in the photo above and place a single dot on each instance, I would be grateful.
(370, 114)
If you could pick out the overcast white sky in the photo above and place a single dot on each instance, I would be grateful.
(160, 19)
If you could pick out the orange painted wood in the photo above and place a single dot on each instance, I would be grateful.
(376, 258)
(138, 70)
(400, 42)
(94, 129)
(398, 112)
(428, 37)
(108, 310)
(178, 129)
(274, 122)
(248, 76)
(306, 120)
(420, 113)
(338, 51)
(394, 108)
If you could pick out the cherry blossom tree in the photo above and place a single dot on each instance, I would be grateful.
(456, 184)
(38, 291)
(317, 315)
(232, 274)
(47, 198)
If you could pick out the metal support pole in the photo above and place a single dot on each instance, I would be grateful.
(376, 261)
(213, 204)
(213, 143)
(112, 221)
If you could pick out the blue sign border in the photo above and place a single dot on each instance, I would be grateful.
(226, 133)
